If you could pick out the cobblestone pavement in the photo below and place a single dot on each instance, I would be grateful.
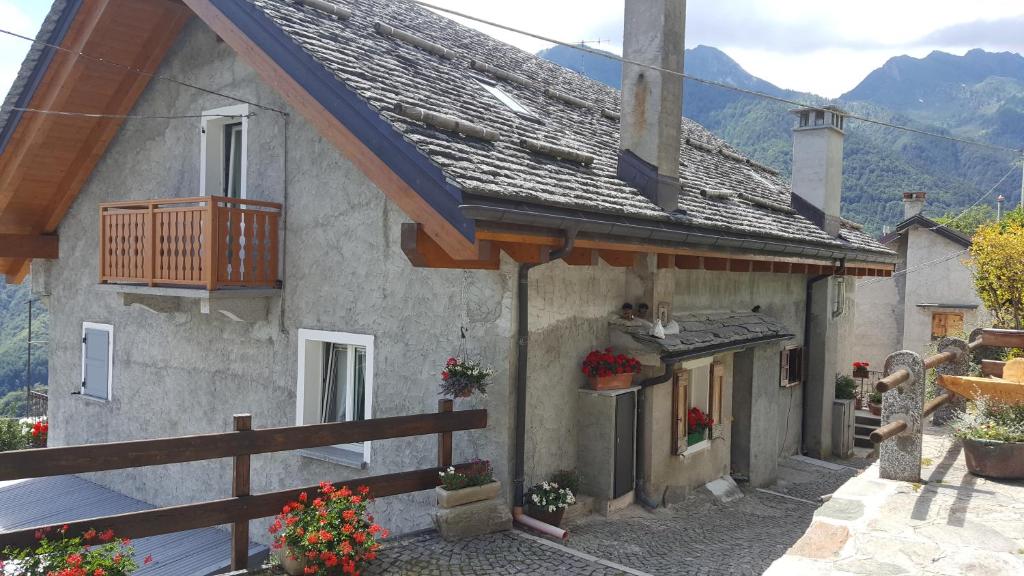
(952, 523)
(699, 536)
(702, 536)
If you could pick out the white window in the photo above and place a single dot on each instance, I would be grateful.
(223, 151)
(97, 360)
(505, 99)
(335, 384)
(697, 385)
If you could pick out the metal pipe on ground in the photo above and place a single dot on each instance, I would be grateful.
(533, 524)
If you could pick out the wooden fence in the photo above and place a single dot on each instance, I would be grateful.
(207, 242)
(240, 444)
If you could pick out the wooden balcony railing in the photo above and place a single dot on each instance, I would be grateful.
(245, 441)
(209, 242)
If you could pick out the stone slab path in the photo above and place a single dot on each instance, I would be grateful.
(952, 523)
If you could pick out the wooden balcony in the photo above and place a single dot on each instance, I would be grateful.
(209, 242)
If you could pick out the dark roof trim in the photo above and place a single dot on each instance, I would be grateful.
(925, 222)
(365, 123)
(953, 306)
(35, 76)
(642, 229)
(727, 347)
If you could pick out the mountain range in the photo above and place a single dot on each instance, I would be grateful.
(978, 96)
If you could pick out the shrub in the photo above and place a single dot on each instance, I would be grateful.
(86, 555)
(12, 435)
(846, 387)
(990, 420)
(477, 473)
(568, 479)
(332, 534)
(875, 397)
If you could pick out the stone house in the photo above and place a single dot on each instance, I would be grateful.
(345, 194)
(935, 298)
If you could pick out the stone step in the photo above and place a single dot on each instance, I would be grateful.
(869, 420)
(864, 430)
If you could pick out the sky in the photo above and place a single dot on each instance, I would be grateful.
(819, 46)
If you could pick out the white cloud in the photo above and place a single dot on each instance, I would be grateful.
(13, 50)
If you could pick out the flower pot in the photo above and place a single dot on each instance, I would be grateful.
(993, 459)
(613, 382)
(465, 394)
(453, 498)
(860, 403)
(860, 372)
(293, 563)
(695, 437)
(542, 514)
(875, 409)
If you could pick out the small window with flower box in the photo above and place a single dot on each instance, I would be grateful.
(696, 405)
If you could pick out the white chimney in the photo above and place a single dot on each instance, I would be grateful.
(818, 165)
(652, 101)
(913, 203)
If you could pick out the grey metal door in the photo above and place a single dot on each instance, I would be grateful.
(625, 442)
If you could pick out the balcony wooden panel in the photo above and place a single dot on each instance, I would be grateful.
(207, 242)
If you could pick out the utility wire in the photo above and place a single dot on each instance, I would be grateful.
(128, 116)
(915, 268)
(976, 202)
(710, 82)
(140, 71)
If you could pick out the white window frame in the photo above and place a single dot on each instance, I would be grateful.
(216, 119)
(109, 329)
(362, 340)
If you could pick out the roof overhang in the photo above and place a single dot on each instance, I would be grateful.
(46, 159)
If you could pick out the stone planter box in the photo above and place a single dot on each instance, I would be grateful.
(450, 499)
(614, 382)
(993, 459)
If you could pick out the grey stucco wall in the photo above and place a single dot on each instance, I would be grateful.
(187, 373)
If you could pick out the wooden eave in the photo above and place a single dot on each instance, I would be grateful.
(48, 158)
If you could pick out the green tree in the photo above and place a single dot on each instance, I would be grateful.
(997, 257)
(970, 220)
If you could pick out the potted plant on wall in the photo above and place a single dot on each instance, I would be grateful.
(460, 378)
(547, 502)
(697, 425)
(875, 403)
(477, 483)
(608, 371)
(328, 534)
(860, 369)
(993, 438)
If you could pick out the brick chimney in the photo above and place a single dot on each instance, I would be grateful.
(913, 203)
(818, 165)
(652, 101)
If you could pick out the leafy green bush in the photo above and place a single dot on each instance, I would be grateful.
(13, 435)
(990, 420)
(875, 397)
(567, 479)
(846, 387)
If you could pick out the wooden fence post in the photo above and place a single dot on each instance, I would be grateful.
(444, 439)
(240, 487)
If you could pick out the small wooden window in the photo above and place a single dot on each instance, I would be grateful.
(791, 366)
(697, 388)
(947, 324)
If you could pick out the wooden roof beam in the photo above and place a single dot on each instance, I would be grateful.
(618, 258)
(425, 252)
(29, 246)
(581, 257)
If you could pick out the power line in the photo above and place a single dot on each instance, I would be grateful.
(915, 268)
(976, 202)
(140, 71)
(128, 116)
(710, 82)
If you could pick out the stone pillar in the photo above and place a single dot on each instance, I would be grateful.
(900, 456)
(958, 367)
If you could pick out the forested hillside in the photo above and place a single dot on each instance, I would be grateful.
(978, 96)
(13, 333)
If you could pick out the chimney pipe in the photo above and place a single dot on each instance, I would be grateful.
(818, 165)
(913, 203)
(652, 101)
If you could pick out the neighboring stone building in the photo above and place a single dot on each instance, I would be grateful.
(931, 295)
(423, 168)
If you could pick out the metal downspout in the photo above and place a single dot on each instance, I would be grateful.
(807, 348)
(638, 472)
(522, 357)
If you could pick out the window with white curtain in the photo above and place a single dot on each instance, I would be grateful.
(335, 384)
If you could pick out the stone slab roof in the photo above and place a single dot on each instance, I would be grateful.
(385, 70)
(702, 333)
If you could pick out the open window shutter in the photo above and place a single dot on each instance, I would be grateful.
(679, 408)
(97, 368)
(938, 325)
(717, 378)
(784, 368)
(954, 324)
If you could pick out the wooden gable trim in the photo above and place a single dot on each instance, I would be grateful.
(254, 46)
(28, 246)
(47, 158)
(424, 252)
